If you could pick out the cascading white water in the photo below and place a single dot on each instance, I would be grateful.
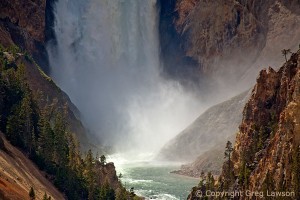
(107, 60)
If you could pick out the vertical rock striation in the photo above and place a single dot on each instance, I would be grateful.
(266, 155)
(269, 137)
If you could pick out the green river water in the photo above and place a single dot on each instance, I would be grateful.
(154, 181)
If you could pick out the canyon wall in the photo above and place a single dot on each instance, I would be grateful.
(266, 154)
(226, 41)
(269, 137)
(207, 131)
(28, 25)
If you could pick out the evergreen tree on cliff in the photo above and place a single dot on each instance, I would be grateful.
(285, 52)
(39, 129)
(228, 173)
(31, 194)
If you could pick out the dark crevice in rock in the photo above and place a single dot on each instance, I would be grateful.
(176, 64)
(49, 21)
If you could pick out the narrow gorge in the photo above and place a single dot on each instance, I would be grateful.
(133, 99)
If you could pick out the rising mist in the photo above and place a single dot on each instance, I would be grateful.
(106, 57)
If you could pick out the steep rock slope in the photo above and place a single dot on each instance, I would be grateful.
(266, 154)
(209, 129)
(209, 161)
(27, 24)
(271, 117)
(18, 174)
(37, 117)
(48, 93)
(216, 35)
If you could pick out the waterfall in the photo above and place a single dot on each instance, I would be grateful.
(107, 60)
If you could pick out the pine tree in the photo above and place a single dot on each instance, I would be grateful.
(33, 140)
(262, 137)
(106, 192)
(25, 118)
(121, 194)
(103, 160)
(90, 174)
(74, 157)
(210, 182)
(131, 192)
(202, 179)
(21, 75)
(227, 154)
(120, 175)
(31, 193)
(45, 140)
(12, 131)
(20, 123)
(285, 52)
(60, 141)
(45, 197)
(244, 172)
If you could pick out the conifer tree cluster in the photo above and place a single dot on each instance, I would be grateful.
(43, 135)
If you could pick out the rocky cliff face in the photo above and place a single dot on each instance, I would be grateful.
(269, 137)
(27, 24)
(227, 38)
(218, 122)
(266, 154)
(18, 174)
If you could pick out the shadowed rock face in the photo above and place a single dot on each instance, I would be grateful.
(177, 65)
(208, 130)
(227, 38)
(27, 24)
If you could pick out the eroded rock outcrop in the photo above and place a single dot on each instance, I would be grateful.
(266, 154)
(268, 140)
(28, 25)
(224, 39)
